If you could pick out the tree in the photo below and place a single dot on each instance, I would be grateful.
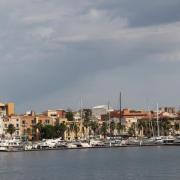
(176, 126)
(131, 130)
(165, 126)
(60, 130)
(48, 132)
(39, 127)
(87, 114)
(11, 129)
(74, 128)
(112, 127)
(69, 115)
(104, 128)
(86, 124)
(120, 127)
(144, 127)
(94, 126)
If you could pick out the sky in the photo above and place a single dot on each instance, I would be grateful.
(53, 53)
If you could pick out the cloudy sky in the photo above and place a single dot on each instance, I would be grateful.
(52, 52)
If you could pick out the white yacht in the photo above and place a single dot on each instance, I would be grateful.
(71, 145)
(96, 143)
(11, 145)
(83, 144)
(168, 140)
(48, 143)
(164, 140)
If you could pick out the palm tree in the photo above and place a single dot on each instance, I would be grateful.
(132, 130)
(112, 127)
(104, 128)
(74, 128)
(39, 128)
(120, 127)
(69, 115)
(11, 129)
(94, 127)
(165, 126)
(60, 130)
(86, 125)
(144, 127)
(176, 126)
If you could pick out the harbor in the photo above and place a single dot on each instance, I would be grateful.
(15, 145)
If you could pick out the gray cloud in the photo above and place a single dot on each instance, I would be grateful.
(52, 52)
(144, 13)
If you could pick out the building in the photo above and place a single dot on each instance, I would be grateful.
(29, 122)
(7, 109)
(98, 111)
(59, 113)
(171, 110)
(15, 121)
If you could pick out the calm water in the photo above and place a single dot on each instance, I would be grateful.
(145, 163)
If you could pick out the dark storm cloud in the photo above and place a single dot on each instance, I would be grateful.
(53, 51)
(144, 12)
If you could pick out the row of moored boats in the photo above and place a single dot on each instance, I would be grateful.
(48, 144)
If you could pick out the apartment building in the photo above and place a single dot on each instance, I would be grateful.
(7, 109)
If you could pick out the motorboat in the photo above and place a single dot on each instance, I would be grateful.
(83, 144)
(177, 141)
(71, 145)
(11, 145)
(164, 140)
(48, 143)
(131, 141)
(148, 141)
(168, 140)
(96, 143)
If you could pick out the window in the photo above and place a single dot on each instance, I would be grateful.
(33, 121)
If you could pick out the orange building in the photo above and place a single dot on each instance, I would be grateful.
(7, 109)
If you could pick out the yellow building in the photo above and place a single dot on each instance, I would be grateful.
(10, 108)
(7, 109)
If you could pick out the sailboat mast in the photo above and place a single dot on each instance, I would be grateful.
(150, 120)
(81, 112)
(158, 133)
(120, 108)
(109, 116)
